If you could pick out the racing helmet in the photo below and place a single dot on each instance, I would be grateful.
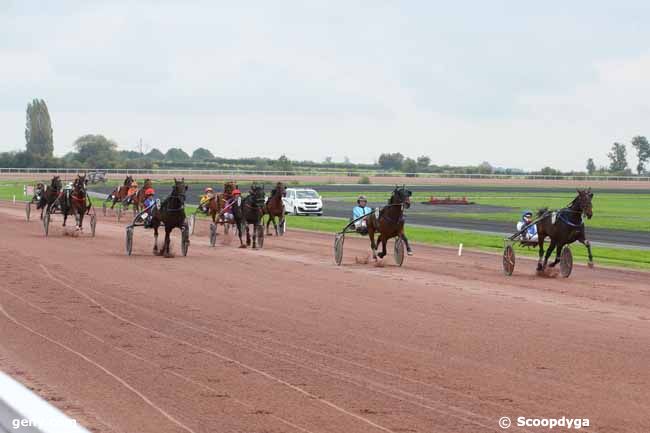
(149, 191)
(362, 198)
(208, 189)
(236, 192)
(527, 214)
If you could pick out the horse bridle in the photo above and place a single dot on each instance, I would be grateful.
(181, 198)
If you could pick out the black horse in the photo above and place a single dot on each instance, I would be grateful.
(390, 222)
(76, 201)
(564, 227)
(250, 211)
(50, 195)
(171, 214)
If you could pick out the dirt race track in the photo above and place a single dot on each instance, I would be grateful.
(282, 340)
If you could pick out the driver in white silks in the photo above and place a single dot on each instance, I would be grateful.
(530, 234)
(360, 210)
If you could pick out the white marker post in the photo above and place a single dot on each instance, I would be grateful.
(460, 250)
(14, 198)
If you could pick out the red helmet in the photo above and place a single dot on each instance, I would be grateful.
(236, 192)
(149, 191)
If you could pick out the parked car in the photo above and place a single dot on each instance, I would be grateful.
(303, 201)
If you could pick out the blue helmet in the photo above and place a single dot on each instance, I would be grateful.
(527, 212)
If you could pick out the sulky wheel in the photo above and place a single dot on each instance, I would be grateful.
(213, 234)
(119, 214)
(129, 240)
(508, 260)
(566, 262)
(93, 224)
(46, 223)
(28, 209)
(260, 236)
(185, 239)
(399, 251)
(338, 248)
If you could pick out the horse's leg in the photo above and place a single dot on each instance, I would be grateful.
(155, 238)
(65, 217)
(248, 235)
(255, 226)
(82, 212)
(549, 251)
(587, 244)
(373, 244)
(558, 251)
(240, 232)
(268, 223)
(275, 226)
(402, 235)
(168, 231)
(540, 266)
(384, 240)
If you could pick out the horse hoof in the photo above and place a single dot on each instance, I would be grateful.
(409, 253)
(243, 246)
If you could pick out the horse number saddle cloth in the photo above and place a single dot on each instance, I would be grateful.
(553, 217)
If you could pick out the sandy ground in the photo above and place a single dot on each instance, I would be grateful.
(282, 340)
(642, 184)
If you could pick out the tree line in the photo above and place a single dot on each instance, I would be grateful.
(97, 151)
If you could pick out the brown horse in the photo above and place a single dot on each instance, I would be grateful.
(137, 200)
(76, 201)
(567, 228)
(390, 222)
(120, 193)
(50, 195)
(220, 205)
(274, 207)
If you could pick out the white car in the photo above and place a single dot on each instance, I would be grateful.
(303, 201)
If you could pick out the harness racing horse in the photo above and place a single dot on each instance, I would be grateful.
(223, 206)
(137, 199)
(250, 211)
(50, 195)
(171, 214)
(390, 222)
(275, 207)
(567, 228)
(120, 193)
(75, 201)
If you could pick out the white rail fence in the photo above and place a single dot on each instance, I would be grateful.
(313, 172)
(22, 411)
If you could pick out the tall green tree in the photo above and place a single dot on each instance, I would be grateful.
(202, 154)
(155, 155)
(283, 163)
(618, 157)
(409, 166)
(423, 162)
(176, 154)
(38, 129)
(591, 166)
(642, 147)
(391, 161)
(96, 151)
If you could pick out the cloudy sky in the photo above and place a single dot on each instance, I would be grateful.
(516, 83)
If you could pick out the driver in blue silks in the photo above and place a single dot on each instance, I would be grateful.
(531, 232)
(360, 210)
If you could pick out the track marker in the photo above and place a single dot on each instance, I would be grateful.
(14, 198)
(460, 249)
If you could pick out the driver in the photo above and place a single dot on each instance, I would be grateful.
(228, 215)
(530, 234)
(359, 211)
(205, 199)
(149, 201)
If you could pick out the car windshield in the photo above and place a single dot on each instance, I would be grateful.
(306, 194)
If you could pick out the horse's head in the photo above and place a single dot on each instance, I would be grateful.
(257, 194)
(180, 188)
(281, 189)
(56, 183)
(79, 185)
(128, 180)
(582, 202)
(401, 196)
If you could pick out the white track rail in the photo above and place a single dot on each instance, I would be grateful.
(22, 411)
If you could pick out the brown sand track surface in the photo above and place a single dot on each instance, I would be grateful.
(282, 340)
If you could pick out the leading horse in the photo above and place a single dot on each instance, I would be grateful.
(171, 214)
(390, 222)
(75, 201)
(565, 227)
(51, 194)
